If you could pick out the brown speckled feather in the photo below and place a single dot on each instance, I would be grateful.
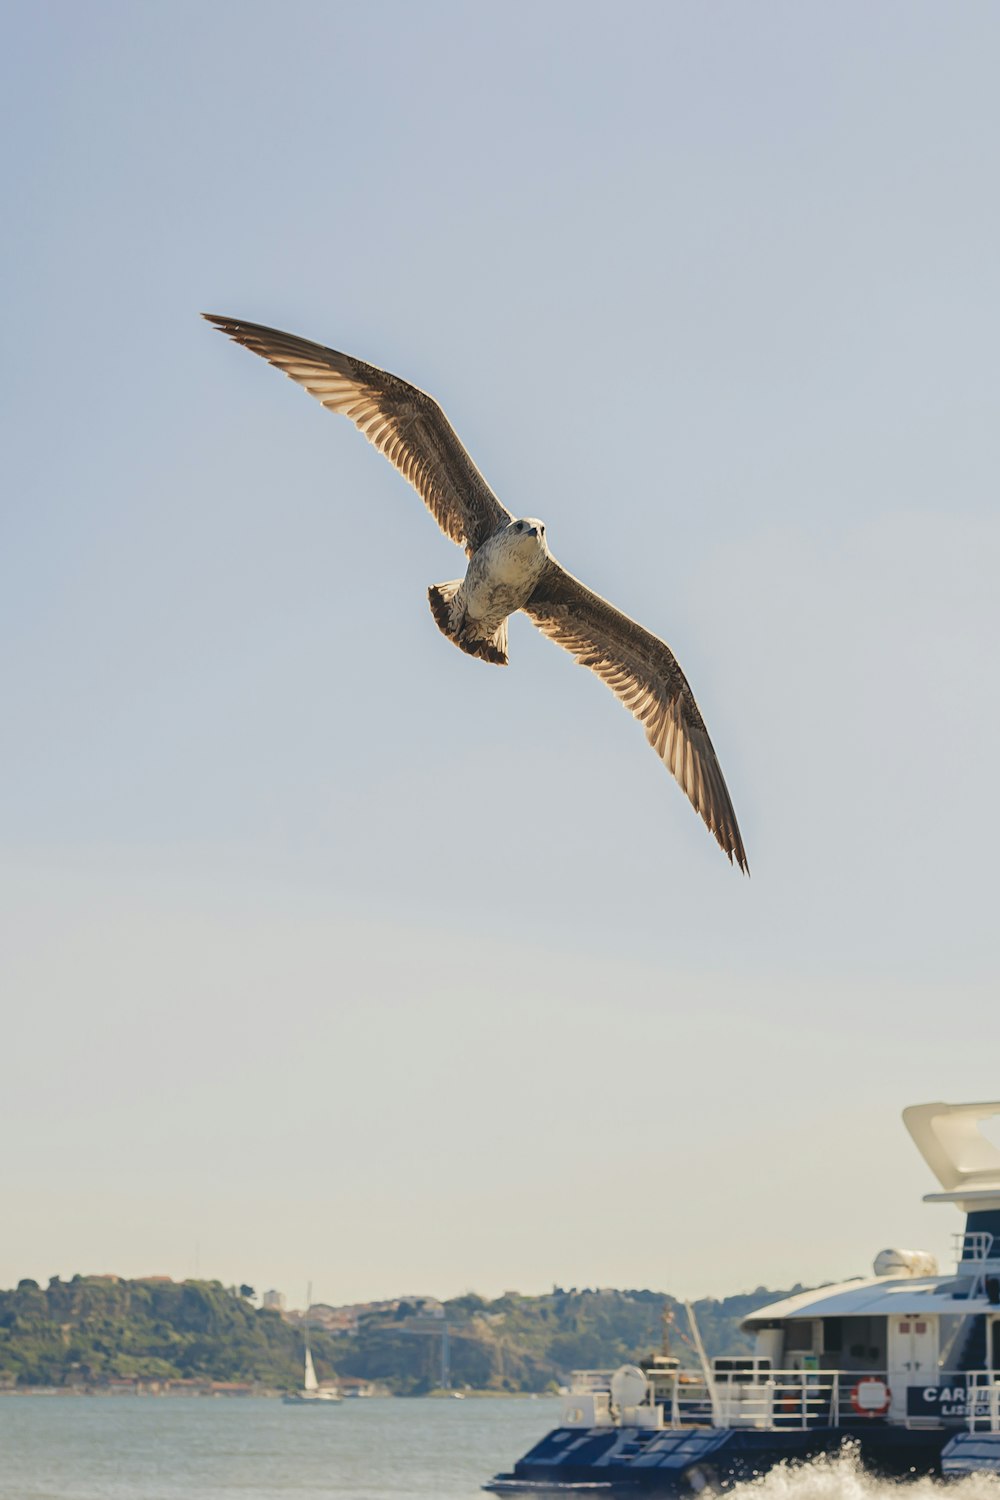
(401, 421)
(642, 672)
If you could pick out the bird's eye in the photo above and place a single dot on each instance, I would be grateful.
(518, 527)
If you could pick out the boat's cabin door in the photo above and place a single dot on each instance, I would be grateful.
(912, 1356)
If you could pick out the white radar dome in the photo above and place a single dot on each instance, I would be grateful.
(628, 1386)
(905, 1263)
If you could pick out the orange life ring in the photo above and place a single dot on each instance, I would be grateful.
(871, 1397)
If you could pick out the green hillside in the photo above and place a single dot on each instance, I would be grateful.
(93, 1330)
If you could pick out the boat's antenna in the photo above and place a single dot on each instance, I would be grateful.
(666, 1322)
(706, 1368)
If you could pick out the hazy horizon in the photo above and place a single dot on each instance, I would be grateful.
(712, 291)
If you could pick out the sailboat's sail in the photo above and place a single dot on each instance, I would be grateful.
(309, 1381)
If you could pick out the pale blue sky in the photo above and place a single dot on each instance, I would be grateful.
(713, 290)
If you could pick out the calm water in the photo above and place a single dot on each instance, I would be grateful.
(134, 1448)
(58, 1448)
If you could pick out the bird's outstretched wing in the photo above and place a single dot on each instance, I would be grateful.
(403, 422)
(643, 672)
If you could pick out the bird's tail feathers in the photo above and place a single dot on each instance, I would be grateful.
(450, 622)
(441, 596)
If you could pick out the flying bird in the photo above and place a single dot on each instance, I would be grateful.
(510, 566)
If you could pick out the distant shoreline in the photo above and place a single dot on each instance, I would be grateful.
(104, 1336)
(102, 1393)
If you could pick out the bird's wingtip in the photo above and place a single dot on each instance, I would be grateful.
(736, 855)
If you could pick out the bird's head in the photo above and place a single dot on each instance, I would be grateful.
(527, 534)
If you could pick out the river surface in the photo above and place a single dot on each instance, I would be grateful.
(144, 1448)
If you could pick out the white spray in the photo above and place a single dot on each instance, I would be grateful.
(842, 1477)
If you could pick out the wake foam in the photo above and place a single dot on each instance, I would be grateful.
(841, 1476)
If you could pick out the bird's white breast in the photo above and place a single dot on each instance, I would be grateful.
(502, 575)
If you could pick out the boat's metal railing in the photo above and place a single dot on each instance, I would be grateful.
(976, 1244)
(779, 1399)
(977, 1254)
(775, 1399)
(800, 1399)
(765, 1399)
(983, 1400)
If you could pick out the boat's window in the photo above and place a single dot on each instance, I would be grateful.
(862, 1343)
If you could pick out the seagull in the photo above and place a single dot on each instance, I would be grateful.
(510, 566)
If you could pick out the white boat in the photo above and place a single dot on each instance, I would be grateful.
(904, 1365)
(312, 1393)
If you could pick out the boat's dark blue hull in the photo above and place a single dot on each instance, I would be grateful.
(616, 1461)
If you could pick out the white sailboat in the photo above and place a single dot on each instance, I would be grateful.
(312, 1392)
